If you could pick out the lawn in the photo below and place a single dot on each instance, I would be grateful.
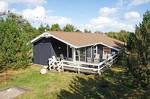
(114, 83)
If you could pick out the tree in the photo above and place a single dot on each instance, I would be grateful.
(78, 30)
(87, 31)
(139, 48)
(14, 42)
(69, 28)
(41, 28)
(55, 27)
(47, 28)
(30, 30)
(122, 35)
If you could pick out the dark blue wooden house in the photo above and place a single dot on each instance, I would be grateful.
(74, 46)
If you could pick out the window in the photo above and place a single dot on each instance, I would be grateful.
(77, 55)
(106, 52)
(94, 50)
(82, 54)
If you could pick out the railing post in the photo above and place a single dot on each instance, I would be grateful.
(62, 65)
(78, 69)
(58, 69)
(99, 70)
(49, 67)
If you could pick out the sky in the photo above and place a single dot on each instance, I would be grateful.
(95, 15)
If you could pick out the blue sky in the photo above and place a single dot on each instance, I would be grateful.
(95, 15)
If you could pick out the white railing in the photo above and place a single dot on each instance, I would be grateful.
(78, 66)
(106, 63)
(81, 66)
(88, 67)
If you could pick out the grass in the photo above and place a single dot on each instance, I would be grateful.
(40, 86)
(115, 83)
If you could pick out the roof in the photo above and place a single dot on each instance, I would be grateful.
(79, 39)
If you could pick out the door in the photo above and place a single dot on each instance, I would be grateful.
(106, 52)
(42, 51)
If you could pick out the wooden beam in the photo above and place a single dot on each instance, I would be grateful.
(96, 50)
(67, 52)
(91, 52)
(85, 54)
(79, 54)
(74, 54)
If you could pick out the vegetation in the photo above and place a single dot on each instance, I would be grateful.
(16, 34)
(133, 81)
(78, 30)
(69, 28)
(38, 86)
(44, 28)
(14, 48)
(139, 52)
(122, 35)
(115, 83)
(55, 27)
(87, 31)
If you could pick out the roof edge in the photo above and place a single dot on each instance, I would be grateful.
(48, 34)
(45, 34)
(101, 44)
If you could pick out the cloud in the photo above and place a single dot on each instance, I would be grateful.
(139, 2)
(105, 11)
(112, 19)
(59, 19)
(108, 20)
(39, 15)
(132, 16)
(38, 12)
(115, 18)
(3, 6)
(106, 24)
(33, 2)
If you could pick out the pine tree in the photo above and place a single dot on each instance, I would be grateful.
(55, 27)
(139, 47)
(69, 28)
(41, 28)
(14, 42)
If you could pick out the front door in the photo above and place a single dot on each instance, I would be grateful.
(106, 52)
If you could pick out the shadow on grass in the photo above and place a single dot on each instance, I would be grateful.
(110, 86)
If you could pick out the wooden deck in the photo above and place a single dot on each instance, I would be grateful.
(83, 67)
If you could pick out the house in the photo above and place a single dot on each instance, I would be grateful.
(74, 46)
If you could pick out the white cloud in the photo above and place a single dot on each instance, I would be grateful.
(111, 19)
(34, 2)
(114, 18)
(3, 6)
(100, 20)
(132, 16)
(139, 2)
(38, 12)
(106, 24)
(40, 15)
(105, 11)
(58, 19)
